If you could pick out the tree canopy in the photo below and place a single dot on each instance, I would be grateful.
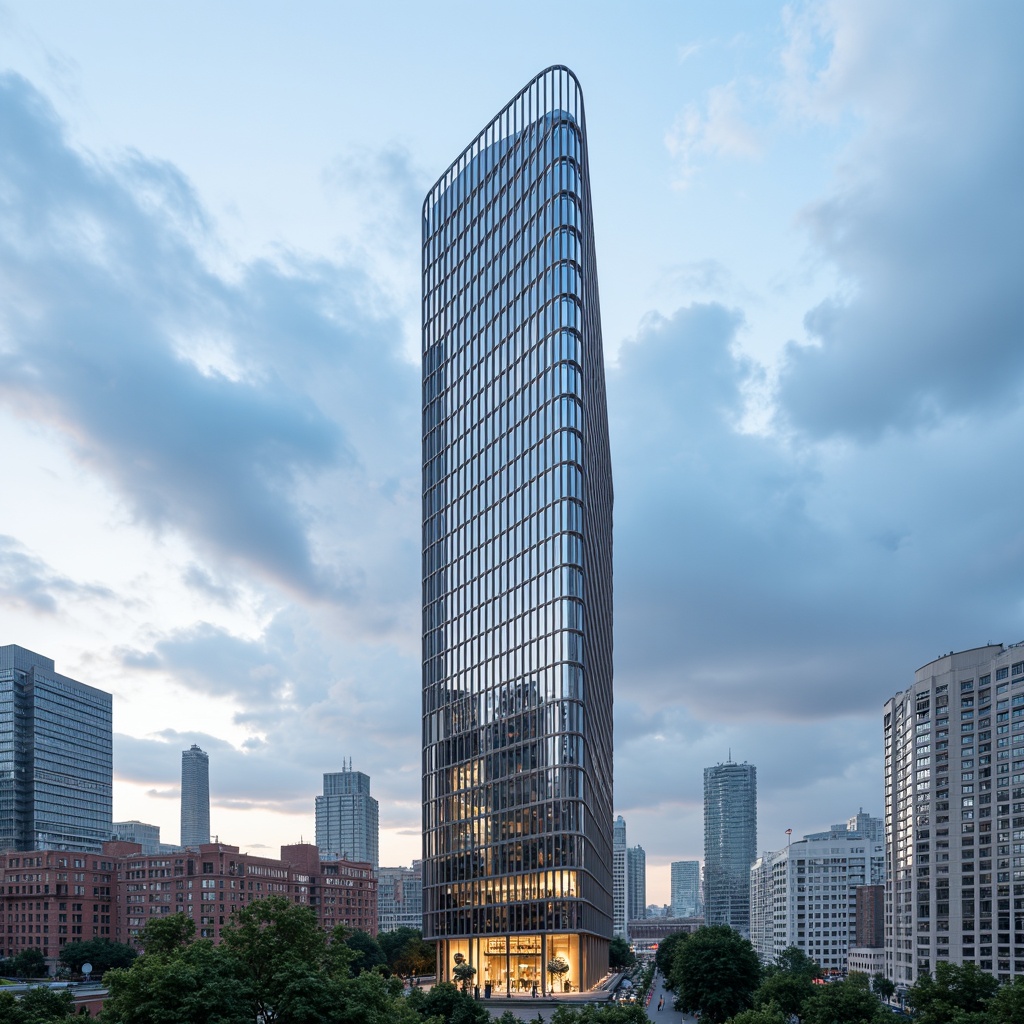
(101, 953)
(275, 965)
(714, 971)
(620, 956)
(955, 993)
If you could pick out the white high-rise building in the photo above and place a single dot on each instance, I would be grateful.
(805, 895)
(954, 816)
(400, 898)
(636, 884)
(685, 888)
(620, 878)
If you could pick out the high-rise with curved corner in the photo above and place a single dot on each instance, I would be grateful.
(517, 558)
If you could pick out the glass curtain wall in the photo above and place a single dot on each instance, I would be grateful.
(517, 505)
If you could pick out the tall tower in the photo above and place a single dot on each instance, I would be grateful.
(56, 762)
(347, 818)
(685, 888)
(620, 878)
(730, 843)
(195, 796)
(636, 888)
(954, 816)
(517, 545)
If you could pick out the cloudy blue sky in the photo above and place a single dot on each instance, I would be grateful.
(810, 235)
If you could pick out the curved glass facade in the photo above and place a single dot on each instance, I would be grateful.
(517, 547)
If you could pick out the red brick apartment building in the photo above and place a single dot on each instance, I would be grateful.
(50, 897)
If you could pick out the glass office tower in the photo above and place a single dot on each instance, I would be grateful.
(730, 843)
(517, 557)
(56, 760)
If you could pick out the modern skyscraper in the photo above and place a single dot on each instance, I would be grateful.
(147, 836)
(620, 879)
(517, 545)
(954, 887)
(347, 817)
(56, 765)
(636, 886)
(195, 796)
(685, 888)
(730, 843)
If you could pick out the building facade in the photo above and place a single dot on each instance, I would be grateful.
(620, 879)
(685, 881)
(636, 894)
(806, 895)
(730, 843)
(147, 836)
(50, 898)
(347, 818)
(400, 898)
(517, 545)
(195, 796)
(954, 816)
(56, 757)
(870, 917)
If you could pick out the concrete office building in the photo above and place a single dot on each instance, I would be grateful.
(954, 816)
(685, 881)
(56, 761)
(730, 843)
(636, 889)
(517, 556)
(195, 796)
(347, 817)
(620, 879)
(400, 898)
(805, 895)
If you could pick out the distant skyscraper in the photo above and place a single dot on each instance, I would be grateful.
(56, 767)
(195, 796)
(517, 555)
(636, 885)
(620, 878)
(730, 843)
(347, 817)
(685, 888)
(954, 793)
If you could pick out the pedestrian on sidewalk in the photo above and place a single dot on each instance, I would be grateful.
(661, 1002)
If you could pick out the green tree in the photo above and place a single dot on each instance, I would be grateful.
(882, 986)
(1007, 1005)
(450, 1005)
(166, 934)
(715, 971)
(770, 1013)
(608, 1013)
(415, 958)
(954, 992)
(281, 957)
(29, 963)
(666, 953)
(101, 953)
(558, 968)
(845, 1002)
(38, 1006)
(620, 956)
(464, 973)
(370, 953)
(794, 960)
(195, 983)
(786, 991)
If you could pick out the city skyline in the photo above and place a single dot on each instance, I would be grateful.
(210, 382)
